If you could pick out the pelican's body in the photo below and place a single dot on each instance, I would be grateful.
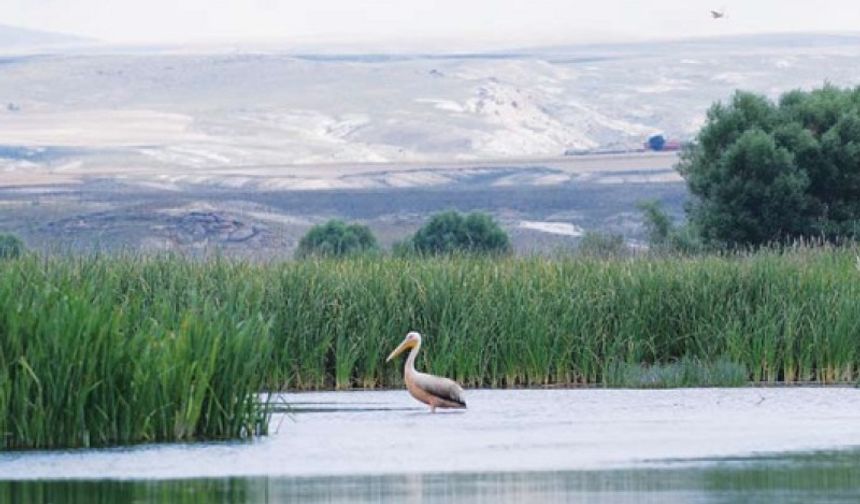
(434, 391)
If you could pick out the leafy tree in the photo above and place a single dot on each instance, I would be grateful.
(336, 239)
(10, 246)
(764, 172)
(451, 232)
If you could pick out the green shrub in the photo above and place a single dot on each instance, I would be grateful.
(664, 237)
(10, 246)
(685, 372)
(404, 249)
(336, 239)
(600, 244)
(451, 232)
(658, 224)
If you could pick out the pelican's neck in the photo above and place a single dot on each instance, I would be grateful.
(410, 361)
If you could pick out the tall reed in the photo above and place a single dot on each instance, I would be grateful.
(104, 350)
(790, 317)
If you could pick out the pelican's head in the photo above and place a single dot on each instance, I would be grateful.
(412, 339)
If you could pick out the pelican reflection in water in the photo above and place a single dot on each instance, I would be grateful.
(435, 391)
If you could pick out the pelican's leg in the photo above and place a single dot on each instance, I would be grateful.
(432, 408)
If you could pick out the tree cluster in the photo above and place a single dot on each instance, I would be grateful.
(764, 172)
(445, 233)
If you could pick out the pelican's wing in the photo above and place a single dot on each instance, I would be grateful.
(443, 388)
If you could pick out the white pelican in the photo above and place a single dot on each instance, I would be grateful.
(435, 391)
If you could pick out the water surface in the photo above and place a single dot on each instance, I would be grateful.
(694, 445)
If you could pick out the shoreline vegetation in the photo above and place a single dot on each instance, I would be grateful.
(111, 349)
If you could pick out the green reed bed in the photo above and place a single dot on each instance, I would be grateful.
(792, 317)
(106, 350)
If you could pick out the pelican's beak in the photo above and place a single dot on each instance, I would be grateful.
(399, 350)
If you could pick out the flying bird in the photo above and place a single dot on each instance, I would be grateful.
(718, 14)
(435, 391)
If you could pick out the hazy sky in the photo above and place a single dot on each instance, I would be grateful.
(432, 23)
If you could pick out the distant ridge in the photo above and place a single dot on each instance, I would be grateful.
(719, 42)
(12, 37)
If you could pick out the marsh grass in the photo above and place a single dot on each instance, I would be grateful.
(103, 351)
(789, 316)
(686, 372)
(106, 350)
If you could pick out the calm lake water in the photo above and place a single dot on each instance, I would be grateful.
(694, 445)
